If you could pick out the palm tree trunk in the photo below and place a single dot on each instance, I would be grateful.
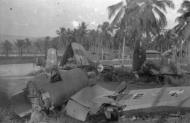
(136, 61)
(181, 52)
(102, 53)
(21, 52)
(123, 51)
(7, 53)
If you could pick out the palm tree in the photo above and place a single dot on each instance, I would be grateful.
(182, 29)
(55, 43)
(28, 44)
(63, 37)
(82, 32)
(38, 44)
(163, 41)
(46, 45)
(141, 19)
(183, 20)
(20, 45)
(105, 36)
(93, 39)
(70, 35)
(7, 47)
(144, 10)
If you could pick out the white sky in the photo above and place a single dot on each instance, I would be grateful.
(43, 17)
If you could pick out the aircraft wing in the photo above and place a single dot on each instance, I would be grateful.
(21, 104)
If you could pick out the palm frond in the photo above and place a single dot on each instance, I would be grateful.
(127, 1)
(186, 15)
(180, 19)
(162, 4)
(133, 3)
(114, 8)
(146, 16)
(169, 3)
(118, 17)
(178, 28)
(185, 4)
(185, 7)
(153, 25)
(186, 31)
(162, 20)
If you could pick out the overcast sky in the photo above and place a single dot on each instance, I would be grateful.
(43, 17)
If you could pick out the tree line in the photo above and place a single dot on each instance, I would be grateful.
(132, 22)
(145, 21)
(91, 39)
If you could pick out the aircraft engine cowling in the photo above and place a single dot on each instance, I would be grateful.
(41, 91)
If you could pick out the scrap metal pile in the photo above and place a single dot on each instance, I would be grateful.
(71, 92)
(42, 92)
(95, 103)
(160, 70)
(145, 104)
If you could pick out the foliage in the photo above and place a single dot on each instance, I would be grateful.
(46, 45)
(139, 19)
(54, 43)
(27, 44)
(20, 45)
(63, 35)
(105, 34)
(7, 47)
(183, 26)
(39, 45)
(88, 38)
(163, 41)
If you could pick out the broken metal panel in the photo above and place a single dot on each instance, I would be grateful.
(121, 87)
(76, 110)
(21, 104)
(67, 54)
(158, 97)
(78, 52)
(103, 100)
(93, 97)
(88, 100)
(88, 94)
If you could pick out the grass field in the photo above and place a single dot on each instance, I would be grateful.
(20, 59)
(16, 59)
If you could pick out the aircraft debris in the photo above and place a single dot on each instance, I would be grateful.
(72, 81)
(75, 54)
(76, 110)
(86, 100)
(93, 100)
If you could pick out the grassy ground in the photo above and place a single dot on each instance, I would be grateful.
(16, 60)
(62, 118)
(19, 59)
(4, 101)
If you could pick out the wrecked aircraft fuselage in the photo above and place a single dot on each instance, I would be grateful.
(41, 93)
(40, 88)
